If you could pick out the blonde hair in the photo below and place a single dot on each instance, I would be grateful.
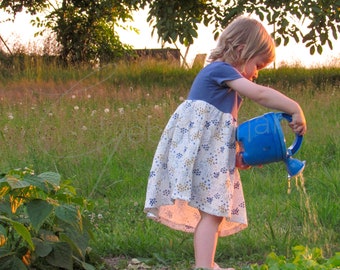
(248, 33)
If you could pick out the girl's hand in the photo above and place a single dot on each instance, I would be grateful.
(239, 162)
(298, 123)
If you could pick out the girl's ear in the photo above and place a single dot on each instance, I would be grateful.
(239, 49)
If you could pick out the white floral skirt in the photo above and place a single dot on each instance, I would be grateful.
(194, 169)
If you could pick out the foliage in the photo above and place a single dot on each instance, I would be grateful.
(179, 19)
(41, 224)
(322, 17)
(86, 29)
(17, 6)
(303, 258)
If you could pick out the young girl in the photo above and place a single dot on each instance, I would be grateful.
(193, 184)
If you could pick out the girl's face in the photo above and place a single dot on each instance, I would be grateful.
(251, 69)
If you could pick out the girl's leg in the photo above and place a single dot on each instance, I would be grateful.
(205, 240)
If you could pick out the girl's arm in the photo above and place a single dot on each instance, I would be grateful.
(272, 99)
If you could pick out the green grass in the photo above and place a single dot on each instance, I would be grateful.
(100, 128)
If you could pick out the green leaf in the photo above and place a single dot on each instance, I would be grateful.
(38, 211)
(51, 177)
(36, 182)
(79, 241)
(3, 230)
(70, 215)
(21, 230)
(5, 208)
(42, 248)
(87, 266)
(278, 41)
(16, 183)
(12, 263)
(74, 244)
(335, 260)
(61, 256)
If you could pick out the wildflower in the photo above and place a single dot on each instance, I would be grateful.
(181, 98)
(88, 96)
(107, 110)
(157, 107)
(149, 116)
(84, 128)
(73, 96)
(50, 114)
(100, 216)
(10, 116)
(121, 111)
(93, 112)
(76, 108)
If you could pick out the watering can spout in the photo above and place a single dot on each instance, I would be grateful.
(294, 166)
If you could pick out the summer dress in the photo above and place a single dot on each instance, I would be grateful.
(194, 164)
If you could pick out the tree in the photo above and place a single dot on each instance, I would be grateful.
(85, 29)
(16, 6)
(178, 20)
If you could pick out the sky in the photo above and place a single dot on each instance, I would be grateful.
(292, 54)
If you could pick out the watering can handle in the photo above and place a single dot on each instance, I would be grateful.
(298, 138)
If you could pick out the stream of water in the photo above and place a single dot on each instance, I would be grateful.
(311, 225)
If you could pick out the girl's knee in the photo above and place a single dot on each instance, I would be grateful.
(211, 218)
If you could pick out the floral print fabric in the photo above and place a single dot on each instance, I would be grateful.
(194, 169)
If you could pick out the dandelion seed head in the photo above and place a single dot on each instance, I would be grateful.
(121, 110)
(107, 110)
(76, 108)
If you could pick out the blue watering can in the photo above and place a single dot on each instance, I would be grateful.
(262, 141)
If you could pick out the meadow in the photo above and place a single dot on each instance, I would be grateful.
(99, 129)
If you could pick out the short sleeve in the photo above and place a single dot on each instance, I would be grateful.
(224, 72)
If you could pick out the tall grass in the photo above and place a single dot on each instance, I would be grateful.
(100, 128)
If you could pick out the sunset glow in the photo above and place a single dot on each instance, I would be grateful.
(14, 33)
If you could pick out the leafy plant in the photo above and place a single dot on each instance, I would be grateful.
(41, 222)
(303, 258)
